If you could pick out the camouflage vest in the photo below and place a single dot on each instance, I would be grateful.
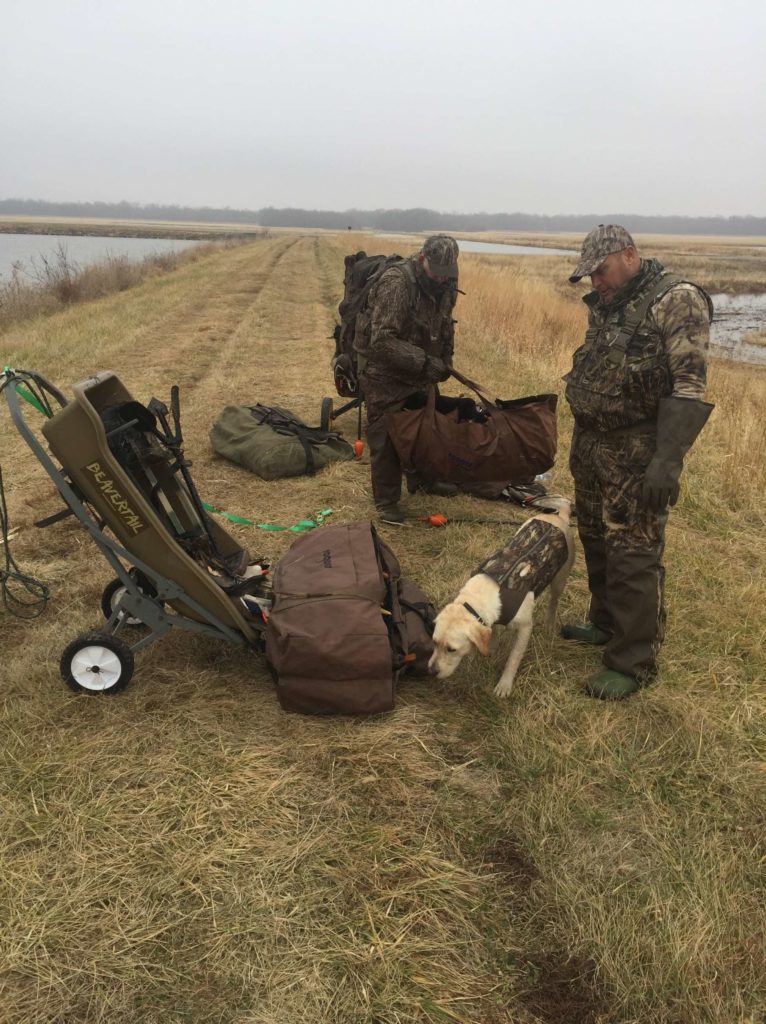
(527, 563)
(621, 371)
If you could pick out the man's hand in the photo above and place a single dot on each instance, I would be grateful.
(436, 370)
(679, 420)
(661, 484)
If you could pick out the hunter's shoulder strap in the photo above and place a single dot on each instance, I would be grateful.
(406, 269)
(637, 315)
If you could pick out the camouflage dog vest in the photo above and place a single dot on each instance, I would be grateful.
(526, 564)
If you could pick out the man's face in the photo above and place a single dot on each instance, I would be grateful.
(615, 271)
(441, 281)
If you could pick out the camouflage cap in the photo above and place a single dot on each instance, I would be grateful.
(600, 243)
(441, 251)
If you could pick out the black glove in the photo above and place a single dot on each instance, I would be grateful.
(436, 370)
(679, 420)
(662, 483)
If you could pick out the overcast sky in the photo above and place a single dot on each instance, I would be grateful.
(554, 106)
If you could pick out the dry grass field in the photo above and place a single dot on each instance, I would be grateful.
(187, 852)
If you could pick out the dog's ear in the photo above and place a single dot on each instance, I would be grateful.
(480, 637)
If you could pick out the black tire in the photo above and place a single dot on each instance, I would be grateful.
(97, 663)
(326, 415)
(113, 591)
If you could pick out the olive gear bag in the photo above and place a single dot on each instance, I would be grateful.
(274, 443)
(343, 625)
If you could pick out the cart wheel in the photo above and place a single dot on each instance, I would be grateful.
(97, 663)
(326, 415)
(113, 592)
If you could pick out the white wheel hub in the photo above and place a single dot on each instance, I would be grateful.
(96, 668)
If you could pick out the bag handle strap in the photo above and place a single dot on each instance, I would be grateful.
(478, 388)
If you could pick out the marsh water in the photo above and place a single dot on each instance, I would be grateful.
(28, 252)
(735, 316)
(496, 248)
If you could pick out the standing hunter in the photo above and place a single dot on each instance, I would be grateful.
(411, 340)
(636, 390)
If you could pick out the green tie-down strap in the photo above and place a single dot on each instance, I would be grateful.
(22, 392)
(301, 527)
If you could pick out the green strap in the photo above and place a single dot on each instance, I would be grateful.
(29, 397)
(22, 392)
(301, 527)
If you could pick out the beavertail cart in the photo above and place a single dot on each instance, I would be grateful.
(121, 471)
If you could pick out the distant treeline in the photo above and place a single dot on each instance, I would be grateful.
(414, 220)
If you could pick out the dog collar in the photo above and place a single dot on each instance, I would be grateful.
(475, 614)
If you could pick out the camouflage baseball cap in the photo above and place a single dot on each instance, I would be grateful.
(600, 243)
(441, 251)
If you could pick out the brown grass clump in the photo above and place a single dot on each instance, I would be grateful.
(187, 852)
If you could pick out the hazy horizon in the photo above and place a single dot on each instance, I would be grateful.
(652, 109)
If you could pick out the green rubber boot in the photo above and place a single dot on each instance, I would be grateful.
(585, 633)
(611, 685)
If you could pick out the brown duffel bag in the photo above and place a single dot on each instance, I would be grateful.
(344, 625)
(457, 440)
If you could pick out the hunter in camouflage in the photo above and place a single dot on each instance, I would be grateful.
(405, 346)
(636, 390)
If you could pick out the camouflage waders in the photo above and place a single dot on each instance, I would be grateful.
(623, 544)
(618, 379)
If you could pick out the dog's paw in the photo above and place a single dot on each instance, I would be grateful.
(503, 689)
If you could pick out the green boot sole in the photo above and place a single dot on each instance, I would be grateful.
(585, 633)
(611, 685)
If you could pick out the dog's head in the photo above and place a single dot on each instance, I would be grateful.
(456, 633)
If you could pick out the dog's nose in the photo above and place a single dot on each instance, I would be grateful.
(432, 670)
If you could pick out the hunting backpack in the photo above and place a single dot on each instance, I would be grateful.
(352, 333)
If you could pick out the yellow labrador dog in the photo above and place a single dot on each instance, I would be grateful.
(503, 591)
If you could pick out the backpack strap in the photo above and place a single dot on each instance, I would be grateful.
(634, 319)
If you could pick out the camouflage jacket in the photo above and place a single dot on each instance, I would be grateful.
(527, 563)
(409, 320)
(633, 355)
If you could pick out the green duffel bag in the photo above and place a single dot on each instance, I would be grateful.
(274, 443)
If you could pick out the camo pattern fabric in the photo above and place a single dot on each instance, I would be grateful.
(406, 325)
(667, 354)
(623, 543)
(527, 563)
(608, 473)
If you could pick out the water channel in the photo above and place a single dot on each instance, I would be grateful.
(28, 251)
(496, 248)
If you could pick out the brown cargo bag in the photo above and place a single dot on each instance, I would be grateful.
(339, 636)
(457, 440)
